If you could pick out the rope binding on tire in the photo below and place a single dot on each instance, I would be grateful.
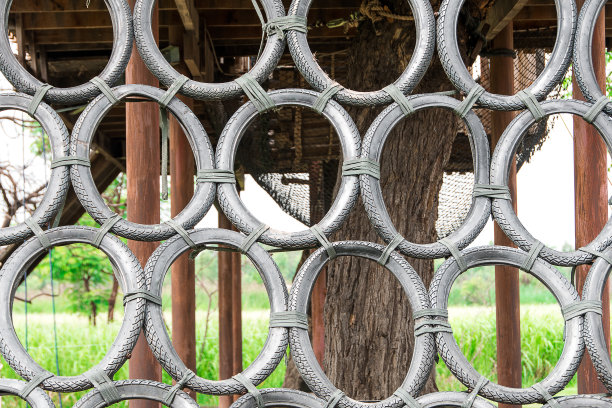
(252, 238)
(180, 384)
(104, 385)
(251, 389)
(334, 399)
(532, 104)
(289, 319)
(34, 383)
(142, 294)
(356, 167)
(455, 253)
(596, 109)
(39, 233)
(408, 399)
(533, 254)
(386, 253)
(320, 236)
(550, 400)
(105, 89)
(492, 191)
(597, 254)
(183, 233)
(470, 100)
(581, 308)
(430, 325)
(37, 98)
(216, 176)
(279, 25)
(469, 402)
(105, 228)
(70, 161)
(165, 129)
(256, 94)
(327, 94)
(398, 96)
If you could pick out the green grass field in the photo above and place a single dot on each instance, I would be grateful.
(81, 345)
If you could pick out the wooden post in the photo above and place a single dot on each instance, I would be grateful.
(319, 291)
(236, 313)
(182, 170)
(143, 170)
(226, 360)
(591, 196)
(507, 300)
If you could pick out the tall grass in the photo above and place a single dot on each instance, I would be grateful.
(82, 345)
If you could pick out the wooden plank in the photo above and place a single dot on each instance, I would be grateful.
(143, 169)
(591, 198)
(506, 278)
(189, 15)
(84, 20)
(498, 16)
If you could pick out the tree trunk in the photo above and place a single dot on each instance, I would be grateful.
(112, 299)
(370, 339)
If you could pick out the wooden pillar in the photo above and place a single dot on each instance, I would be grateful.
(507, 300)
(143, 170)
(226, 359)
(182, 170)
(319, 291)
(236, 313)
(590, 196)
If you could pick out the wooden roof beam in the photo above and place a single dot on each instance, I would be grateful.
(499, 15)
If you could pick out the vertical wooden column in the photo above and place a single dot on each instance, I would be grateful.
(226, 360)
(236, 313)
(591, 196)
(143, 170)
(507, 300)
(182, 170)
(319, 291)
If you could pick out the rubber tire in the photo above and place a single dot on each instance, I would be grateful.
(583, 57)
(560, 287)
(301, 348)
(317, 78)
(59, 182)
(155, 329)
(157, 64)
(37, 398)
(582, 401)
(371, 193)
(348, 192)
(138, 390)
(23, 81)
(87, 192)
(552, 75)
(595, 340)
(274, 397)
(450, 399)
(504, 213)
(130, 275)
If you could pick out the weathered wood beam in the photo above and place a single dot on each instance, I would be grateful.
(499, 15)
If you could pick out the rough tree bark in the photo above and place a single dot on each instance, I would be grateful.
(367, 317)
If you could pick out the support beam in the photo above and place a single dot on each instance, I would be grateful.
(236, 313)
(590, 202)
(507, 300)
(499, 16)
(143, 169)
(182, 170)
(226, 359)
(319, 291)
